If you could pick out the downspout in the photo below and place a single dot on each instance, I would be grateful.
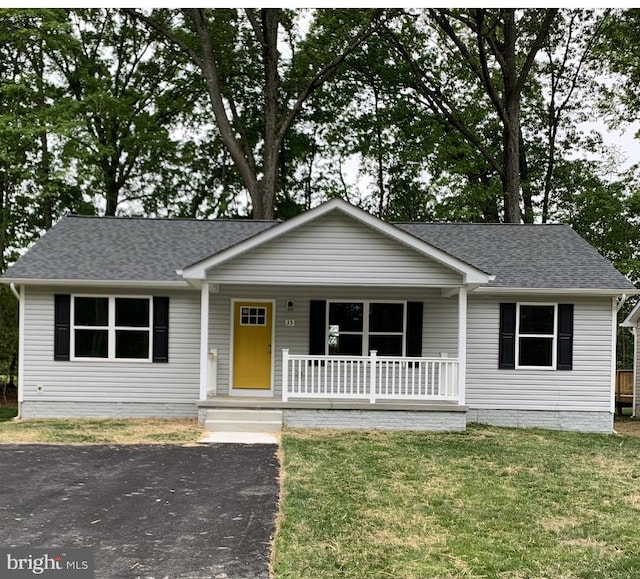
(14, 291)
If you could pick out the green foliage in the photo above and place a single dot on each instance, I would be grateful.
(8, 336)
(619, 56)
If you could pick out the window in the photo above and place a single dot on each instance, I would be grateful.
(356, 328)
(536, 335)
(253, 316)
(111, 327)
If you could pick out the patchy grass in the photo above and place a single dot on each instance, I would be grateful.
(111, 431)
(490, 502)
(8, 412)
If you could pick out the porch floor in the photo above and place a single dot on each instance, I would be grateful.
(329, 404)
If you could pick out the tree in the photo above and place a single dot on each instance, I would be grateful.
(122, 101)
(619, 58)
(497, 48)
(254, 112)
(567, 73)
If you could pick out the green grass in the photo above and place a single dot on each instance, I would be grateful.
(8, 412)
(486, 503)
(123, 431)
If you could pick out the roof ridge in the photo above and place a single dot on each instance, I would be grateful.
(478, 224)
(174, 219)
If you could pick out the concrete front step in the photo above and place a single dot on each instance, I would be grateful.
(244, 420)
(243, 414)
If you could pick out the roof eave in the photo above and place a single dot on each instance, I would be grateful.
(605, 292)
(160, 284)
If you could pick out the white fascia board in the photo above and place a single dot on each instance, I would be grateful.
(470, 274)
(631, 320)
(98, 283)
(556, 291)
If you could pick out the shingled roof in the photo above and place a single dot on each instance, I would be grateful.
(524, 255)
(118, 249)
(132, 249)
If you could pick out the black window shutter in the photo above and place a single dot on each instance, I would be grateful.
(414, 329)
(317, 327)
(565, 337)
(160, 329)
(62, 327)
(507, 340)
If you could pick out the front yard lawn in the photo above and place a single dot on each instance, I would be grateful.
(108, 431)
(488, 503)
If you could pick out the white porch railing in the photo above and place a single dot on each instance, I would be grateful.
(370, 377)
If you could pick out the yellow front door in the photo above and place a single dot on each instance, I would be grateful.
(252, 345)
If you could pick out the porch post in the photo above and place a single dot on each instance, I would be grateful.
(21, 317)
(285, 374)
(204, 339)
(373, 355)
(462, 344)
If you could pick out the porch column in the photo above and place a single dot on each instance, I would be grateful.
(21, 317)
(204, 339)
(462, 344)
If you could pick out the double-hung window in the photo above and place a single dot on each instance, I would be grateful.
(536, 331)
(356, 328)
(111, 327)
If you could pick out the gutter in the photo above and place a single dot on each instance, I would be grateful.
(14, 291)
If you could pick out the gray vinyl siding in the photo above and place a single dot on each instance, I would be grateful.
(440, 320)
(587, 387)
(334, 250)
(175, 382)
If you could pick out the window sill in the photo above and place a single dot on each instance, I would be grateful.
(114, 360)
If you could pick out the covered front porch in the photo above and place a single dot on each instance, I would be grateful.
(338, 310)
(371, 378)
(436, 375)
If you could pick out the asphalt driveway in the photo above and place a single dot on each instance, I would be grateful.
(148, 510)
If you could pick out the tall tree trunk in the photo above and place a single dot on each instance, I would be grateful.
(525, 182)
(268, 183)
(379, 154)
(111, 188)
(4, 221)
(511, 126)
(44, 168)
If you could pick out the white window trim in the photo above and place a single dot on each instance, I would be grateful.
(554, 337)
(111, 329)
(365, 324)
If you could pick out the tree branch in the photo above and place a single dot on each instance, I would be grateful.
(170, 36)
(329, 70)
(439, 104)
(245, 164)
(550, 14)
(255, 25)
